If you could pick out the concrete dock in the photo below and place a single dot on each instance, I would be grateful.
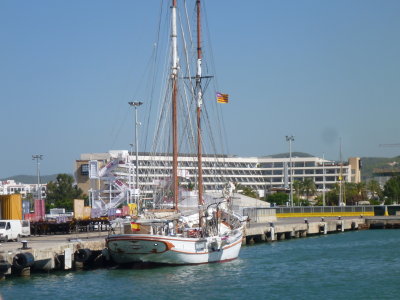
(85, 249)
(51, 252)
(286, 228)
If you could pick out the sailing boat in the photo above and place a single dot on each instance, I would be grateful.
(192, 232)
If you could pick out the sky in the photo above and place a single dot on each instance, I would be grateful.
(320, 70)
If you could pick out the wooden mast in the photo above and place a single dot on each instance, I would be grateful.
(174, 76)
(199, 103)
(198, 111)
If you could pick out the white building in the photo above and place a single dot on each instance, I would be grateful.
(259, 173)
(8, 187)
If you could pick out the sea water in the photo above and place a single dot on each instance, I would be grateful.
(351, 265)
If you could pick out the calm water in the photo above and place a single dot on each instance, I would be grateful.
(354, 265)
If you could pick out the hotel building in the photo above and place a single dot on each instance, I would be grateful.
(262, 174)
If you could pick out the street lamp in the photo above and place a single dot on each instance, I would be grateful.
(136, 105)
(323, 181)
(290, 139)
(38, 157)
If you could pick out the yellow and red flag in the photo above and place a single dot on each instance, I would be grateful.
(135, 226)
(222, 98)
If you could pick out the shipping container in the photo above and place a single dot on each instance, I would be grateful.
(26, 206)
(11, 207)
(86, 212)
(125, 210)
(39, 209)
(79, 206)
(30, 217)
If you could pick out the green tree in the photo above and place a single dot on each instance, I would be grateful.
(247, 191)
(391, 190)
(352, 193)
(62, 192)
(332, 196)
(297, 187)
(375, 189)
(278, 198)
(308, 188)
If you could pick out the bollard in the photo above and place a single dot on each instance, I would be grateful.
(25, 245)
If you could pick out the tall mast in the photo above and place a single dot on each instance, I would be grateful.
(174, 76)
(199, 104)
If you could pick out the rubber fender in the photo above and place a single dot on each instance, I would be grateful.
(23, 260)
(4, 267)
(106, 253)
(82, 255)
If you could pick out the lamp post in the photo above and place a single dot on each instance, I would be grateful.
(290, 139)
(38, 157)
(323, 179)
(136, 105)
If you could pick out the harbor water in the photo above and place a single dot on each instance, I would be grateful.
(352, 265)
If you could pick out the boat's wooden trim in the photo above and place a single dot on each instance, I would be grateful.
(153, 238)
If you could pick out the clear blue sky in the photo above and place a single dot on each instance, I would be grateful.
(318, 70)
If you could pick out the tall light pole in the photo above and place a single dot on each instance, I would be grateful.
(323, 179)
(290, 139)
(341, 174)
(38, 157)
(136, 105)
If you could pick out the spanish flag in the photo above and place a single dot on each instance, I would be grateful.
(222, 98)
(135, 226)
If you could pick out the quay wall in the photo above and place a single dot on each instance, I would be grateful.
(86, 249)
(324, 211)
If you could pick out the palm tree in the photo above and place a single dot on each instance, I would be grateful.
(298, 187)
(309, 188)
(361, 188)
(375, 189)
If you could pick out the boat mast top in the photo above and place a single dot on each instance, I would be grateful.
(174, 77)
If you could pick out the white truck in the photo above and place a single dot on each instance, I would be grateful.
(14, 229)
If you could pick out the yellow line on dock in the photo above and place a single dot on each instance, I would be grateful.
(325, 214)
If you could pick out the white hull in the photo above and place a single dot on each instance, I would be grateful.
(131, 248)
